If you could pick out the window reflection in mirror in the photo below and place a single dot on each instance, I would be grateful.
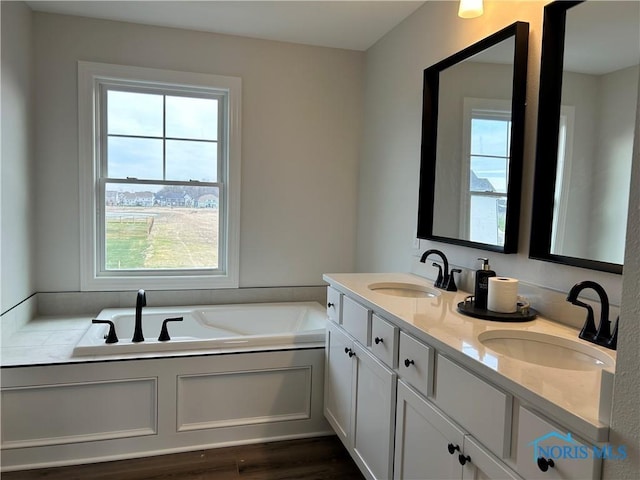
(473, 124)
(586, 126)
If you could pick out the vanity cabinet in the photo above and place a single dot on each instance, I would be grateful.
(408, 410)
(430, 446)
(360, 402)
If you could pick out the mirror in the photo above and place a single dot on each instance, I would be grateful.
(472, 142)
(586, 123)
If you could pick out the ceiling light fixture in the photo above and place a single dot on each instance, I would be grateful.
(470, 8)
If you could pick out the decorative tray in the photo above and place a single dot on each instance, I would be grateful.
(525, 314)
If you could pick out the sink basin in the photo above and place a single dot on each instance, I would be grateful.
(400, 289)
(546, 350)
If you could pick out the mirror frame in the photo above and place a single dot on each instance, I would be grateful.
(428, 159)
(549, 103)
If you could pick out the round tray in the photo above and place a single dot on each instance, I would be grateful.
(470, 309)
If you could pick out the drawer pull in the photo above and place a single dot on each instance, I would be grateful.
(331, 305)
(349, 352)
(464, 459)
(408, 362)
(453, 448)
(544, 464)
(379, 340)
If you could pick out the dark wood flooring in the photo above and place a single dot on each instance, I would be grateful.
(314, 458)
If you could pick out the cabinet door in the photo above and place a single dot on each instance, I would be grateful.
(427, 443)
(373, 415)
(480, 464)
(339, 368)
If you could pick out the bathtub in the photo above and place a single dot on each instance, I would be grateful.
(212, 327)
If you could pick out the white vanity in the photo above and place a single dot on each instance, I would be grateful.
(414, 393)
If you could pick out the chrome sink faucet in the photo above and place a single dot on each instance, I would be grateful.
(141, 301)
(445, 279)
(601, 335)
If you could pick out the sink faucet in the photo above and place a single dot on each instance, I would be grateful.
(444, 279)
(141, 301)
(602, 335)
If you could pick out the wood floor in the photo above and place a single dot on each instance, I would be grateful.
(315, 458)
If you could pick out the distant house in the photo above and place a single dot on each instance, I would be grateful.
(137, 199)
(129, 199)
(480, 184)
(173, 199)
(207, 201)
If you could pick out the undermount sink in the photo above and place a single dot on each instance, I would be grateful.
(400, 289)
(546, 350)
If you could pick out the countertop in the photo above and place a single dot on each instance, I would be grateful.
(571, 397)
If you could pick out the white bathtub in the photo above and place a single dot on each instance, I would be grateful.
(261, 325)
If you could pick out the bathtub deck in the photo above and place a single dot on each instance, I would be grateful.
(313, 458)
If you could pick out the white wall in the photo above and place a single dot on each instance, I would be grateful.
(388, 188)
(615, 146)
(301, 110)
(16, 168)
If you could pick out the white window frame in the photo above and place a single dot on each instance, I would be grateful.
(94, 278)
(489, 107)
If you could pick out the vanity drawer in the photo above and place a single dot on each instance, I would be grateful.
(415, 363)
(384, 341)
(356, 320)
(334, 305)
(481, 409)
(539, 438)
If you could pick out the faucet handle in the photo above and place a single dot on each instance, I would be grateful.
(164, 331)
(111, 337)
(451, 284)
(440, 280)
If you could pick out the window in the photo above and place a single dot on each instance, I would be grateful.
(486, 138)
(159, 162)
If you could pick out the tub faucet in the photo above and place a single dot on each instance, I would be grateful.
(601, 335)
(141, 301)
(443, 274)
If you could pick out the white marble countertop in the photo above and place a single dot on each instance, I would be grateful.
(571, 397)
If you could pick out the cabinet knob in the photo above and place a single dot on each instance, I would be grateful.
(349, 352)
(330, 305)
(464, 459)
(544, 464)
(408, 362)
(378, 340)
(453, 448)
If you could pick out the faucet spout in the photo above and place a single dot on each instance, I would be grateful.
(141, 301)
(442, 280)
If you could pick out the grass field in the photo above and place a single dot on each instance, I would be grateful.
(161, 238)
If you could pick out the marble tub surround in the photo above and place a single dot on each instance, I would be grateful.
(18, 316)
(579, 399)
(45, 328)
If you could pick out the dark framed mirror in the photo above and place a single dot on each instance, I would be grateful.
(586, 126)
(472, 143)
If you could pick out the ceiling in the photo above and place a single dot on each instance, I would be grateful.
(354, 25)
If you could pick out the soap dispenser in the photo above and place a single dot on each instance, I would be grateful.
(482, 284)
